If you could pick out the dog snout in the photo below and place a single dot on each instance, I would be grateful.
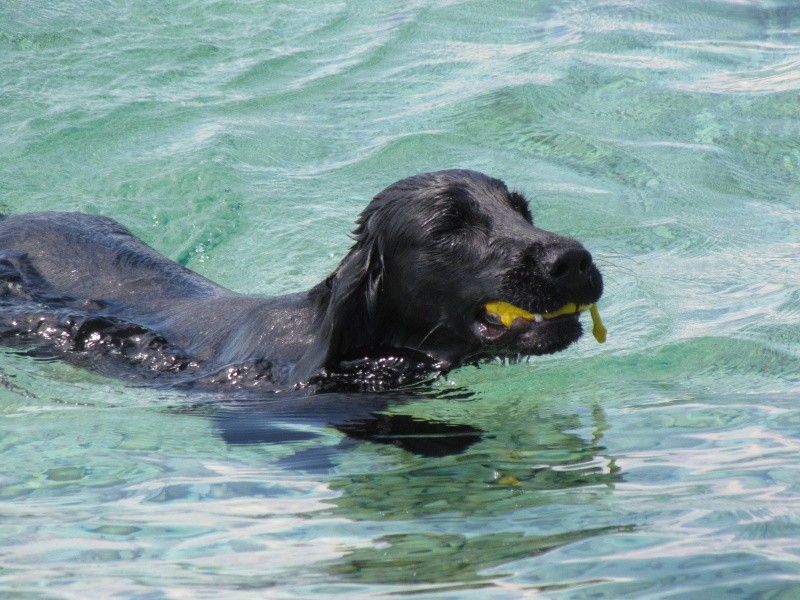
(567, 266)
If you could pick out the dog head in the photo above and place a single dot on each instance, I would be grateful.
(450, 265)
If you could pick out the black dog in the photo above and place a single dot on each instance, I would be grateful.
(447, 268)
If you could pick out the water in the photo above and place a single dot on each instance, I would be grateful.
(243, 138)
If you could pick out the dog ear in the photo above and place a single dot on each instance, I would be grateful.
(349, 319)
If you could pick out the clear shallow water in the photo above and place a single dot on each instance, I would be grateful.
(243, 138)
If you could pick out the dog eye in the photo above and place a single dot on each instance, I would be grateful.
(447, 229)
(456, 227)
(452, 232)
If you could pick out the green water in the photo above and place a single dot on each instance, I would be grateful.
(242, 138)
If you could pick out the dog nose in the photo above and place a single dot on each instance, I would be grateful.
(567, 265)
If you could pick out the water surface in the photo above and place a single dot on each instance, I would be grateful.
(243, 138)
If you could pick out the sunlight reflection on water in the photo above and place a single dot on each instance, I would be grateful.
(242, 139)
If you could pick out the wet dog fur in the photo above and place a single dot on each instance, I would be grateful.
(407, 301)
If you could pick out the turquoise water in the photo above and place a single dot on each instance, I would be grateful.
(242, 138)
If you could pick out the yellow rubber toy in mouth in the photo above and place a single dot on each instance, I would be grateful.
(599, 330)
(508, 312)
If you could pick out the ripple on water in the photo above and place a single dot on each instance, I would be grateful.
(243, 138)
(775, 78)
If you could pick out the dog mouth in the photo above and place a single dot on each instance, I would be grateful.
(501, 323)
(508, 313)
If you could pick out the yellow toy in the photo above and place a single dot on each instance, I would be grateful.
(508, 312)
